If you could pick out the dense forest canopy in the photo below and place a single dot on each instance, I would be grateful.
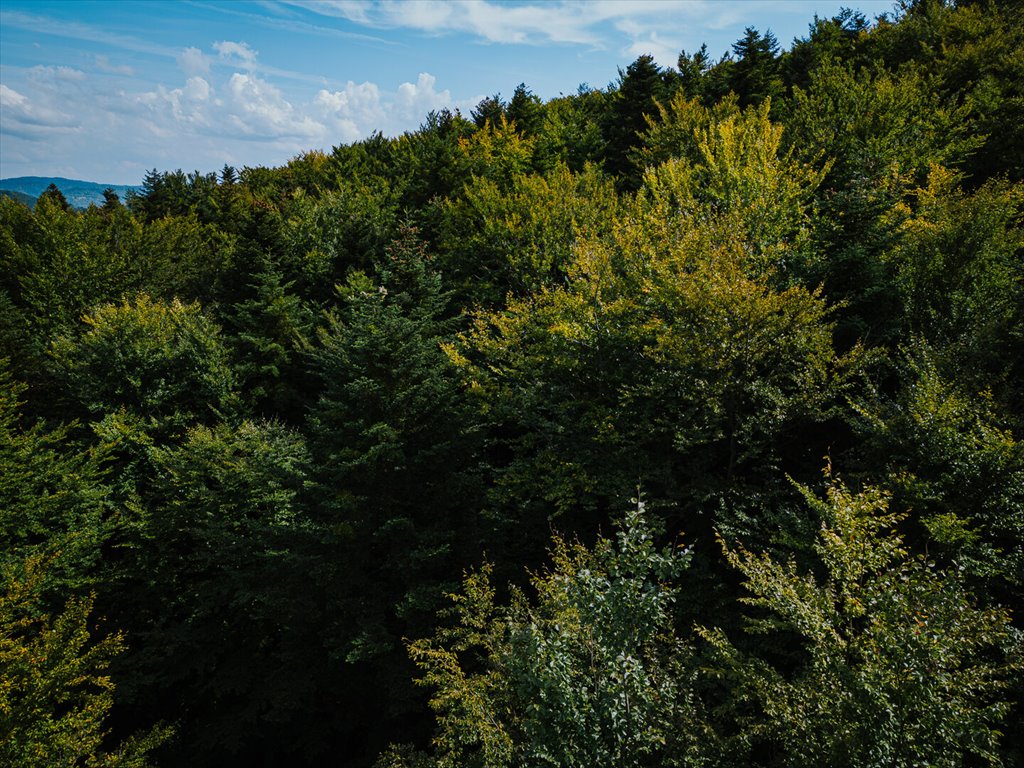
(676, 423)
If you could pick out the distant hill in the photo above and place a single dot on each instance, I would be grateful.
(80, 194)
(21, 197)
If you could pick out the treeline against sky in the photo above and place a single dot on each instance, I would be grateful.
(670, 424)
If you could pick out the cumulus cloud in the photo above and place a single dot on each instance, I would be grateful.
(193, 61)
(226, 107)
(197, 89)
(665, 52)
(351, 110)
(259, 109)
(236, 53)
(360, 109)
(414, 100)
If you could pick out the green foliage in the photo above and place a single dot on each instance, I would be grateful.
(756, 74)
(491, 109)
(269, 328)
(224, 613)
(693, 70)
(974, 51)
(525, 110)
(671, 353)
(64, 261)
(431, 159)
(641, 87)
(957, 270)
(841, 38)
(900, 667)
(239, 408)
(739, 173)
(393, 437)
(497, 152)
(162, 361)
(954, 462)
(881, 133)
(676, 130)
(517, 241)
(55, 693)
(571, 132)
(51, 497)
(327, 238)
(182, 258)
(586, 673)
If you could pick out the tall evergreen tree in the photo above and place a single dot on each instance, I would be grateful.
(640, 88)
(756, 75)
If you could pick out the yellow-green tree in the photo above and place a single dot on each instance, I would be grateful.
(55, 691)
(899, 665)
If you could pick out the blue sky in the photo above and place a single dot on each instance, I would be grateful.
(105, 90)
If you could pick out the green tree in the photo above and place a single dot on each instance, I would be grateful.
(55, 690)
(589, 672)
(161, 361)
(397, 484)
(677, 352)
(840, 38)
(952, 460)
(51, 496)
(756, 74)
(494, 242)
(677, 129)
(899, 665)
(490, 110)
(268, 330)
(640, 88)
(956, 269)
(878, 134)
(692, 70)
(572, 131)
(740, 174)
(973, 52)
(392, 433)
(526, 110)
(498, 152)
(219, 593)
(326, 238)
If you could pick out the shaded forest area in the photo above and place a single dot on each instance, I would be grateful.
(669, 424)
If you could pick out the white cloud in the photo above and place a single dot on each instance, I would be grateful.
(103, 64)
(236, 53)
(659, 27)
(358, 110)
(197, 89)
(349, 112)
(11, 98)
(413, 101)
(495, 22)
(58, 73)
(31, 118)
(537, 22)
(193, 61)
(261, 110)
(664, 52)
(221, 104)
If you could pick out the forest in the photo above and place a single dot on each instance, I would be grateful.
(672, 423)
